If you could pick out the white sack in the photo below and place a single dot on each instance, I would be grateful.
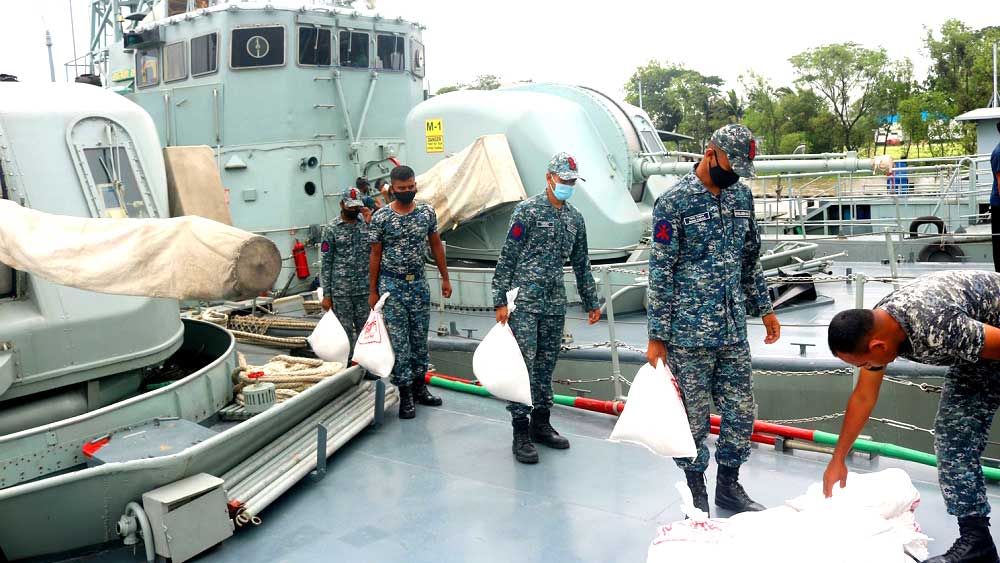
(890, 493)
(467, 184)
(329, 340)
(373, 351)
(864, 534)
(179, 258)
(498, 363)
(654, 415)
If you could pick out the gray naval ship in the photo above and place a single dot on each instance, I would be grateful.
(130, 432)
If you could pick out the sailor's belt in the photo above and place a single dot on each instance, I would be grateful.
(412, 276)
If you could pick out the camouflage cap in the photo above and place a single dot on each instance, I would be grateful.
(564, 166)
(740, 146)
(351, 198)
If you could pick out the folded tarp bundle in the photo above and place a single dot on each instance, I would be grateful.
(179, 258)
(480, 177)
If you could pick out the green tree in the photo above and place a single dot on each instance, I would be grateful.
(763, 115)
(962, 69)
(734, 107)
(845, 74)
(698, 98)
(912, 122)
(892, 87)
(485, 82)
(446, 89)
(654, 79)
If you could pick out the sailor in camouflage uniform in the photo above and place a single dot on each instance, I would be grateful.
(401, 234)
(545, 232)
(345, 256)
(947, 318)
(704, 279)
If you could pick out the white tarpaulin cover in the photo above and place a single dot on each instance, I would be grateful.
(481, 177)
(180, 258)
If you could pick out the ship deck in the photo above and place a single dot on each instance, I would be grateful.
(445, 487)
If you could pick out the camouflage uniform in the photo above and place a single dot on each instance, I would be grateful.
(942, 315)
(704, 279)
(345, 253)
(540, 240)
(401, 273)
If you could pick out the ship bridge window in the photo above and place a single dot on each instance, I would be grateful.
(175, 62)
(315, 47)
(258, 47)
(354, 49)
(417, 49)
(205, 54)
(111, 171)
(147, 67)
(391, 52)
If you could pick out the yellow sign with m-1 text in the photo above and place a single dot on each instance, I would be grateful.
(434, 131)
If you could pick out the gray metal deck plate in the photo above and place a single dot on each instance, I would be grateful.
(445, 487)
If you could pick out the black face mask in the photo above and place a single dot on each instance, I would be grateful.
(351, 214)
(405, 198)
(722, 178)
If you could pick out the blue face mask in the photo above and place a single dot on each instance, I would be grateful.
(562, 191)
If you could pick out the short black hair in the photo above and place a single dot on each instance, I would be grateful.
(361, 183)
(998, 126)
(401, 173)
(849, 331)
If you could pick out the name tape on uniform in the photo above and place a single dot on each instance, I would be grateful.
(741, 213)
(698, 218)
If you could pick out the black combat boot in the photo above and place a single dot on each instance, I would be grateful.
(729, 494)
(406, 407)
(522, 447)
(543, 433)
(699, 489)
(974, 545)
(422, 396)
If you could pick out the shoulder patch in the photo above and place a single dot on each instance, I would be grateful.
(663, 231)
(516, 231)
(325, 247)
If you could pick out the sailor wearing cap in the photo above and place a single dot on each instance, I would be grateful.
(704, 279)
(545, 232)
(345, 251)
(401, 234)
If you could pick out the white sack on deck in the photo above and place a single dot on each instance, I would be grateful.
(481, 177)
(180, 258)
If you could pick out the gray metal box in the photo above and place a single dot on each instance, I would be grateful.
(188, 516)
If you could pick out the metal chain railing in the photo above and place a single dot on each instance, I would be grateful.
(925, 387)
(819, 418)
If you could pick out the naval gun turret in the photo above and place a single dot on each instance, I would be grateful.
(92, 158)
(621, 154)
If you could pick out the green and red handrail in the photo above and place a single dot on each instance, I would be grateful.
(764, 432)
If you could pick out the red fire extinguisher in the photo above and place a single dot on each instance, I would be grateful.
(301, 263)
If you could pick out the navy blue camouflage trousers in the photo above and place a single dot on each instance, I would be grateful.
(407, 315)
(352, 311)
(721, 376)
(540, 338)
(969, 400)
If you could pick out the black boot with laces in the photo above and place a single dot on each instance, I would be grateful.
(974, 545)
